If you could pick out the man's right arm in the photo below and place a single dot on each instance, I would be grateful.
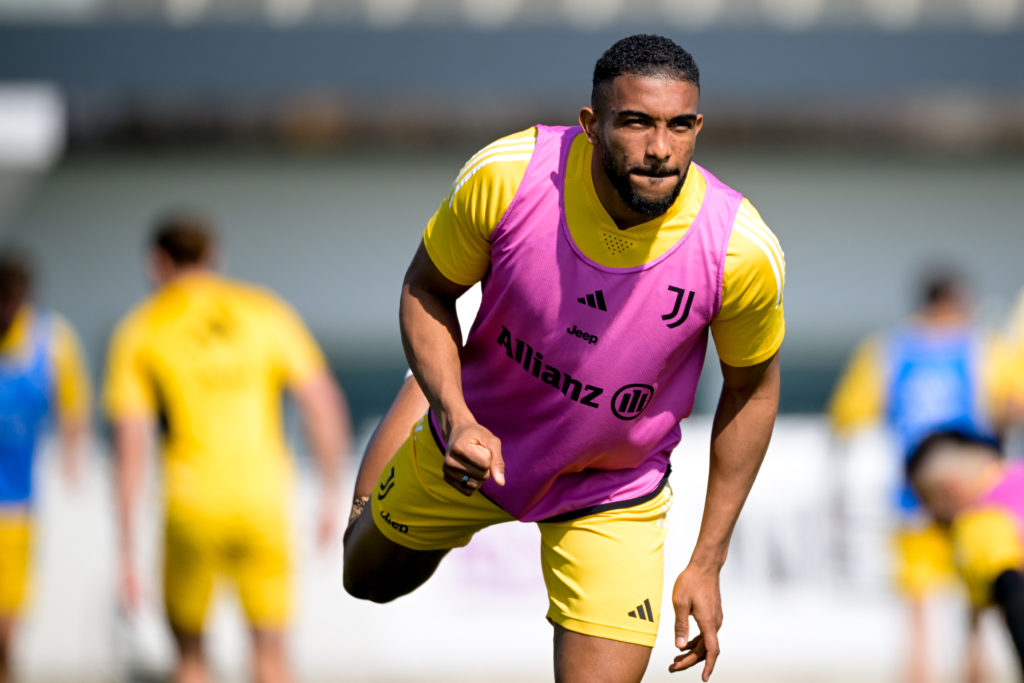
(129, 405)
(130, 443)
(431, 337)
(454, 254)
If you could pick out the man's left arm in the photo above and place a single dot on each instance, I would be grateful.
(740, 434)
(748, 332)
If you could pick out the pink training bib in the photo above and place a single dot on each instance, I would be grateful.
(1008, 493)
(583, 371)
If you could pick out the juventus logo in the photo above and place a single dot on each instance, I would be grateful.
(677, 321)
(387, 485)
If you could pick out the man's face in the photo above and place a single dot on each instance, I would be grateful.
(9, 305)
(643, 135)
(937, 501)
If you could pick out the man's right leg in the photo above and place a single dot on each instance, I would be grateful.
(379, 570)
(189, 568)
(413, 519)
(924, 566)
(6, 631)
(191, 665)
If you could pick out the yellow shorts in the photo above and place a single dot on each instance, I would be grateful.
(924, 560)
(604, 571)
(252, 550)
(15, 554)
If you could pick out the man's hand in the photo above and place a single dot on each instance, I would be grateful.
(696, 593)
(474, 455)
(327, 521)
(71, 468)
(129, 593)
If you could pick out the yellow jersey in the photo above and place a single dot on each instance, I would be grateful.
(750, 325)
(210, 357)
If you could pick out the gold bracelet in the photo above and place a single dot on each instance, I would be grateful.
(358, 503)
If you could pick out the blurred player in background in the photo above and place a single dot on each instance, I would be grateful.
(42, 374)
(964, 485)
(936, 370)
(606, 256)
(209, 358)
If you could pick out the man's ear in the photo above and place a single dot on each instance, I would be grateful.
(588, 120)
(156, 267)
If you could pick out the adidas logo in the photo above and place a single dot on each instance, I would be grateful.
(595, 300)
(643, 611)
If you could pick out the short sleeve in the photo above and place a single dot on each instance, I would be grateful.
(750, 326)
(859, 396)
(71, 379)
(298, 355)
(999, 377)
(986, 543)
(127, 389)
(1015, 338)
(457, 238)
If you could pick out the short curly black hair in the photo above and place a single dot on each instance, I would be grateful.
(643, 54)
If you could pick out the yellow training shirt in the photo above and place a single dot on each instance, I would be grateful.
(748, 329)
(1016, 342)
(72, 389)
(211, 357)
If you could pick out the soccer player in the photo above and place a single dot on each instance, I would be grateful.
(937, 370)
(606, 255)
(962, 483)
(209, 357)
(41, 374)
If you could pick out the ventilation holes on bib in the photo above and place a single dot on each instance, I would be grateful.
(616, 245)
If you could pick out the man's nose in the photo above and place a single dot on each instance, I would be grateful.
(658, 147)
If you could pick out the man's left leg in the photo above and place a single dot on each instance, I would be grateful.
(261, 569)
(604, 574)
(189, 568)
(6, 633)
(590, 659)
(269, 657)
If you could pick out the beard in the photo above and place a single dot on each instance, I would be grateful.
(622, 181)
